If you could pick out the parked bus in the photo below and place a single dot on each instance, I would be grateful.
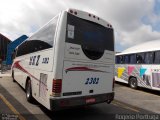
(68, 62)
(140, 66)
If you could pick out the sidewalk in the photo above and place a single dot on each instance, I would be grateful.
(5, 74)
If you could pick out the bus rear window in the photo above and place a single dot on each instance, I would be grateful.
(90, 34)
(93, 38)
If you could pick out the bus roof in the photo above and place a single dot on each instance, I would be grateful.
(89, 16)
(153, 45)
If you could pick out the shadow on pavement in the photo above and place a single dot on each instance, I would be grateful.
(79, 113)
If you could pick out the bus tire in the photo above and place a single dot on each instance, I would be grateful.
(133, 83)
(13, 76)
(29, 91)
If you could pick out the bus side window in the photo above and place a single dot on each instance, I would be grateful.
(117, 60)
(149, 56)
(45, 35)
(126, 59)
(140, 58)
(157, 57)
(132, 59)
(22, 49)
(121, 59)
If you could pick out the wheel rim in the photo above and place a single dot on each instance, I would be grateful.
(133, 83)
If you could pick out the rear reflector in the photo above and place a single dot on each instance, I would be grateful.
(90, 100)
(57, 87)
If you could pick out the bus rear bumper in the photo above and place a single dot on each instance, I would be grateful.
(58, 104)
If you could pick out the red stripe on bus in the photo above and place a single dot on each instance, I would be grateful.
(18, 66)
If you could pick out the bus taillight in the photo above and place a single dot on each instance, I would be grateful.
(57, 87)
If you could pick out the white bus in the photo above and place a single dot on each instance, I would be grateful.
(68, 62)
(140, 66)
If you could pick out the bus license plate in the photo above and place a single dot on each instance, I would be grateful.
(90, 100)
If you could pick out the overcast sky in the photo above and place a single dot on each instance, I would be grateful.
(134, 21)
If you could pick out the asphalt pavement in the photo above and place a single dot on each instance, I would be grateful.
(13, 102)
(142, 97)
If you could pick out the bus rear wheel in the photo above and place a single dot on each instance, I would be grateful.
(29, 92)
(133, 83)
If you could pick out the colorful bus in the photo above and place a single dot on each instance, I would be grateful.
(140, 65)
(68, 62)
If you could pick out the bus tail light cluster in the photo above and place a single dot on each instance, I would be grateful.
(57, 88)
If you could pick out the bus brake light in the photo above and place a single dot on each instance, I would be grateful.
(57, 87)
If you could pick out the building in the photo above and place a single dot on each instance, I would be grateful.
(11, 47)
(4, 41)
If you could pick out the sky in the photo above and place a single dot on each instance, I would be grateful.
(134, 21)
